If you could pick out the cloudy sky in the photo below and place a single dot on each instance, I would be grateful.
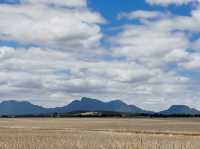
(144, 52)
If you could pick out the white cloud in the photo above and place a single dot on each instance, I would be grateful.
(67, 3)
(40, 74)
(177, 56)
(6, 52)
(158, 43)
(196, 45)
(142, 14)
(168, 2)
(48, 25)
(144, 42)
(193, 63)
(163, 44)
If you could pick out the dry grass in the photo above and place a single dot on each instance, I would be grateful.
(99, 134)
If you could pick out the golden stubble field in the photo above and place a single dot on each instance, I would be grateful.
(85, 133)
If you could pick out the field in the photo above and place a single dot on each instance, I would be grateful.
(85, 133)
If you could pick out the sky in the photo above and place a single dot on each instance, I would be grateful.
(143, 52)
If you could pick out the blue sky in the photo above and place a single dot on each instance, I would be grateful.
(144, 52)
(111, 9)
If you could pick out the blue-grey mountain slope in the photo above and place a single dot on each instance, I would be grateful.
(17, 108)
(20, 108)
(85, 104)
(180, 110)
(92, 105)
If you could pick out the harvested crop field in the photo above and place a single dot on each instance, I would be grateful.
(97, 133)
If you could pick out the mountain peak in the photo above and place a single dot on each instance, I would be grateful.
(94, 105)
(179, 106)
(90, 100)
(13, 107)
(180, 109)
(117, 102)
(87, 99)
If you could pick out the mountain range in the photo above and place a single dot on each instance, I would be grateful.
(17, 108)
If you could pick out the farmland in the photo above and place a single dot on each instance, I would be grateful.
(97, 133)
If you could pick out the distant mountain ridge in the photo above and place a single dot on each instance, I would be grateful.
(20, 108)
(180, 109)
(88, 104)
(93, 105)
(17, 108)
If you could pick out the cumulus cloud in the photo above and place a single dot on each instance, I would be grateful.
(168, 2)
(140, 39)
(67, 3)
(41, 74)
(49, 25)
(159, 42)
(6, 52)
(193, 63)
(196, 45)
(142, 14)
(163, 44)
(177, 56)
